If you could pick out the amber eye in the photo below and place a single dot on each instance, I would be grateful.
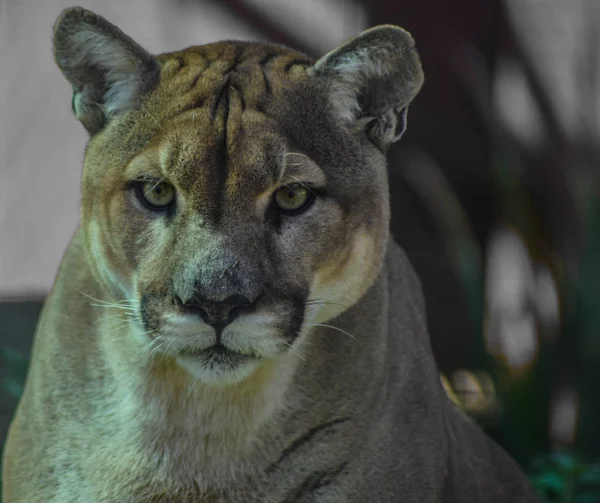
(156, 196)
(293, 199)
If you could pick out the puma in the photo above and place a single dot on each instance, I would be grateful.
(231, 321)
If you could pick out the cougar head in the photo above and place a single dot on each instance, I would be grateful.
(234, 194)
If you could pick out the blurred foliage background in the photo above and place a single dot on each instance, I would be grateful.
(495, 198)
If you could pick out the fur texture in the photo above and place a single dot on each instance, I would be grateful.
(322, 387)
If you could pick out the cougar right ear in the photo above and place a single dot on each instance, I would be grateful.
(371, 80)
(107, 69)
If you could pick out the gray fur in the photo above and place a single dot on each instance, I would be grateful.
(108, 70)
(363, 76)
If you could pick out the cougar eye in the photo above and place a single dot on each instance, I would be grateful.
(293, 199)
(156, 196)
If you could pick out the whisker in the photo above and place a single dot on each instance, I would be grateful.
(118, 326)
(151, 116)
(109, 317)
(318, 302)
(284, 165)
(296, 351)
(156, 185)
(190, 389)
(170, 343)
(122, 308)
(300, 182)
(148, 347)
(155, 349)
(105, 302)
(328, 299)
(122, 336)
(331, 326)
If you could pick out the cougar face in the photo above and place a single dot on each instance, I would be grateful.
(234, 194)
(222, 221)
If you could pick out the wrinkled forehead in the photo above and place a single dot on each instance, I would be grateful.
(218, 113)
(209, 161)
(201, 75)
(236, 119)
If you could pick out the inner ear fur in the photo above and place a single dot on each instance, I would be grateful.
(107, 69)
(371, 80)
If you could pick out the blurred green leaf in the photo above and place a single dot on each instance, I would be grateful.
(14, 365)
(591, 477)
(564, 477)
(550, 481)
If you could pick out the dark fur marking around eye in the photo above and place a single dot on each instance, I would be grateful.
(307, 437)
(273, 217)
(315, 481)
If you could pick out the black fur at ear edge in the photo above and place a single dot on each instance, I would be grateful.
(107, 69)
(371, 80)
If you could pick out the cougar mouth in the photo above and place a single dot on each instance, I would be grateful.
(218, 364)
(218, 353)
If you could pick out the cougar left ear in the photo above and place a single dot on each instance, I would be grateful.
(371, 80)
(107, 69)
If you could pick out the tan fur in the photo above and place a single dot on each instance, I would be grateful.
(327, 391)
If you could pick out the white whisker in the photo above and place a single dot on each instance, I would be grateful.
(320, 302)
(124, 301)
(102, 319)
(284, 165)
(151, 116)
(296, 351)
(156, 185)
(124, 309)
(149, 346)
(331, 326)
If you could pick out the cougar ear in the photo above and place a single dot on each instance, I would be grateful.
(371, 79)
(107, 69)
